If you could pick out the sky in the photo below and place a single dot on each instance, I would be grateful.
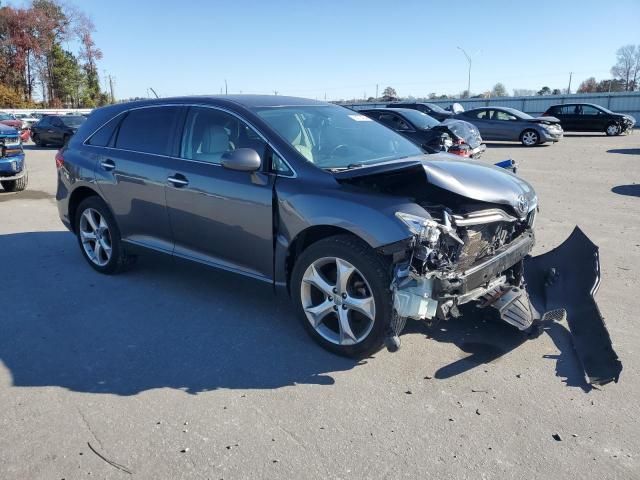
(343, 49)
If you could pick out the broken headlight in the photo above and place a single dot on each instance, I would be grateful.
(426, 229)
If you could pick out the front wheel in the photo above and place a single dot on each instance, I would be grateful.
(37, 141)
(612, 129)
(341, 290)
(99, 237)
(529, 138)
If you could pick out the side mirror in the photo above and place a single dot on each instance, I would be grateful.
(242, 159)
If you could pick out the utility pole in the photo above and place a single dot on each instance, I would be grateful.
(469, 78)
(569, 89)
(113, 97)
(376, 91)
(226, 92)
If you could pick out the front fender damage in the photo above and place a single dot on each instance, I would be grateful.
(562, 283)
(527, 291)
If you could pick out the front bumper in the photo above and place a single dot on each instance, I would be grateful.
(553, 136)
(12, 167)
(478, 151)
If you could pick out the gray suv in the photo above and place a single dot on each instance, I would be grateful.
(355, 222)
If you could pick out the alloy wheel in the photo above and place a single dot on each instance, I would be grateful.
(95, 237)
(530, 138)
(612, 130)
(337, 301)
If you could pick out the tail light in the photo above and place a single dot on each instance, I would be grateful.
(59, 159)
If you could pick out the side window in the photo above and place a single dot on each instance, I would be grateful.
(102, 138)
(589, 110)
(278, 165)
(499, 115)
(483, 114)
(209, 133)
(148, 130)
(56, 122)
(44, 122)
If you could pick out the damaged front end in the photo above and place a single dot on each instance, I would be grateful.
(482, 256)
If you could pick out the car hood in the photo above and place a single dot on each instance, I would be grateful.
(7, 130)
(12, 123)
(465, 130)
(473, 180)
(547, 120)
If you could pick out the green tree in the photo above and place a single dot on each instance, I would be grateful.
(390, 92)
(66, 77)
(544, 91)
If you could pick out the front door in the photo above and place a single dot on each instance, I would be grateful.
(218, 216)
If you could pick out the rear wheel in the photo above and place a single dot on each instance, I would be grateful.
(99, 237)
(341, 290)
(36, 140)
(612, 129)
(529, 138)
(16, 185)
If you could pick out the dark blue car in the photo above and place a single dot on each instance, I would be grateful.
(13, 170)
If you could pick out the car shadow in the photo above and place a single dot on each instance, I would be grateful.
(33, 146)
(512, 145)
(632, 190)
(485, 339)
(174, 324)
(625, 151)
(163, 324)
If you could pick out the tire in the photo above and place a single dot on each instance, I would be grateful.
(16, 185)
(115, 261)
(369, 280)
(612, 129)
(36, 140)
(530, 138)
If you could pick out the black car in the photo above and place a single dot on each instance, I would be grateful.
(55, 129)
(430, 109)
(453, 136)
(588, 117)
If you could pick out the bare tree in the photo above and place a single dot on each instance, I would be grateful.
(499, 90)
(627, 67)
(588, 86)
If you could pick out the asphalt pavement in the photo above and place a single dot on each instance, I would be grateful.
(176, 371)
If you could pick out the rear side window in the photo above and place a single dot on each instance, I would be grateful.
(102, 138)
(148, 130)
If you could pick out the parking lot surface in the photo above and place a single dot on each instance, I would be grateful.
(176, 371)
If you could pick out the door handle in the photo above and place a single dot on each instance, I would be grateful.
(107, 165)
(178, 181)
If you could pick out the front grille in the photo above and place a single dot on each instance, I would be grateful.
(482, 241)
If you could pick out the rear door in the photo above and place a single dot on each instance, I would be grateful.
(571, 117)
(218, 216)
(132, 174)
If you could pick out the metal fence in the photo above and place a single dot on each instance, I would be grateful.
(621, 102)
(47, 111)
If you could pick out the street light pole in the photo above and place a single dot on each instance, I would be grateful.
(469, 78)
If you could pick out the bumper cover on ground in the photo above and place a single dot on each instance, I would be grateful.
(567, 278)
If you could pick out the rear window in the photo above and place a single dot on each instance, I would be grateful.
(148, 130)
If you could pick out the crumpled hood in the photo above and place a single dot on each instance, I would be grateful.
(478, 181)
(471, 179)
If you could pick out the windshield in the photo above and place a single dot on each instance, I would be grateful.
(72, 121)
(517, 113)
(6, 116)
(330, 136)
(420, 120)
(605, 110)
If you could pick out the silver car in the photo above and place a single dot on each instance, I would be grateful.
(501, 123)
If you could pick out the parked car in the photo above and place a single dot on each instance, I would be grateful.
(26, 119)
(55, 129)
(10, 120)
(454, 136)
(13, 169)
(501, 123)
(588, 117)
(351, 219)
(430, 109)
